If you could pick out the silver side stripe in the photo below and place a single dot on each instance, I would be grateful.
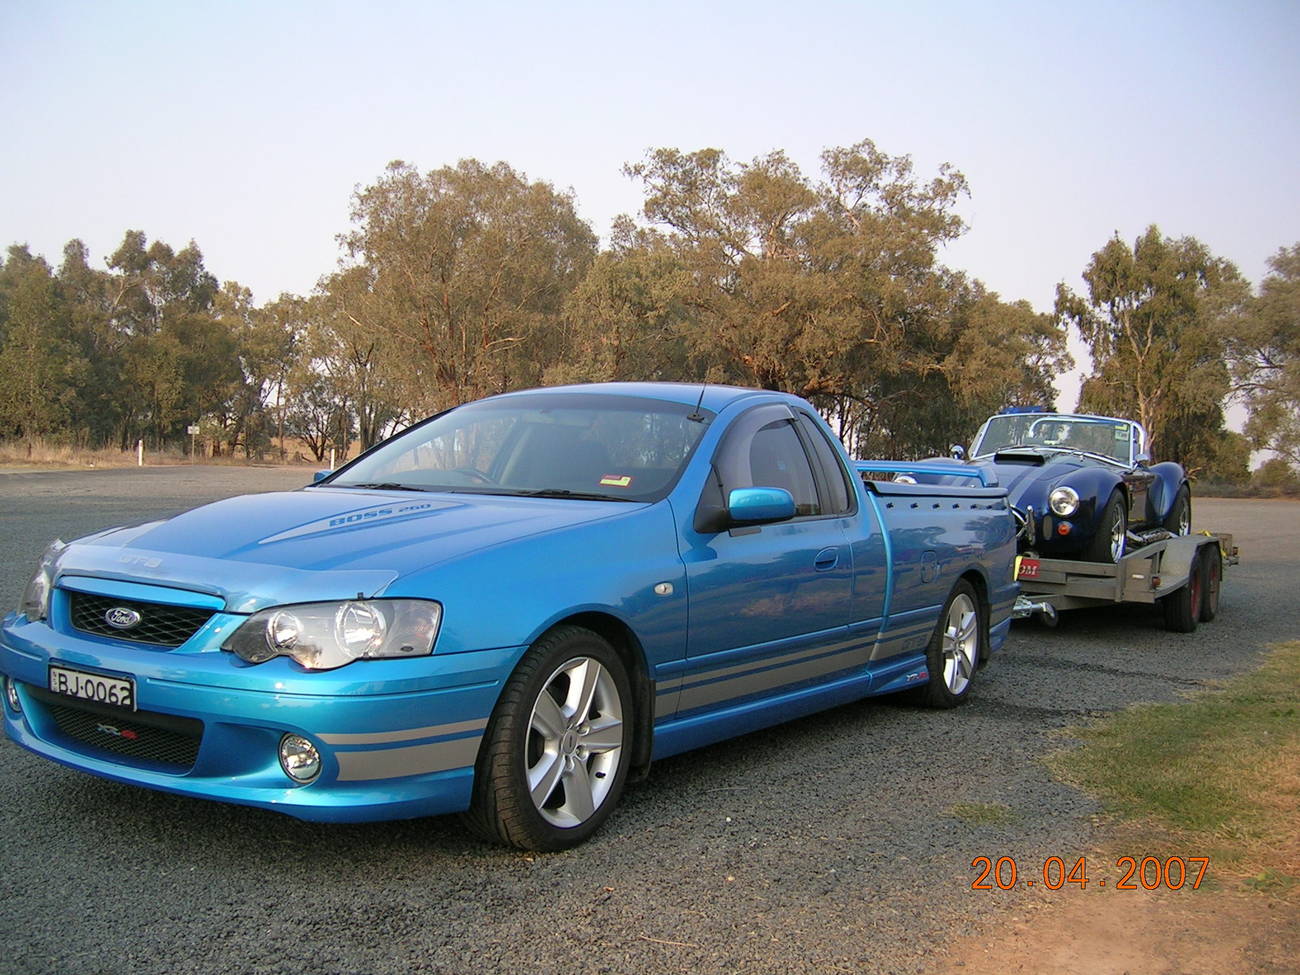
(700, 695)
(407, 734)
(788, 658)
(393, 763)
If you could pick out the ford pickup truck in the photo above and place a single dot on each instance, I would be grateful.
(506, 610)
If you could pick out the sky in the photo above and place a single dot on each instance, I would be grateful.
(246, 127)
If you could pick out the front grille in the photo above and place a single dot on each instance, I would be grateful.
(162, 739)
(160, 624)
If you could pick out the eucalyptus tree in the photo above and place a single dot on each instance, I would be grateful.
(1154, 319)
(467, 270)
(38, 363)
(1266, 358)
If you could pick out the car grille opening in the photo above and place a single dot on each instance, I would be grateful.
(146, 736)
(159, 624)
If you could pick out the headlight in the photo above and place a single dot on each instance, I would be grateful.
(1064, 501)
(322, 636)
(36, 597)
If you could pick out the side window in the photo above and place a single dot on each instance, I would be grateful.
(839, 498)
(777, 459)
(763, 449)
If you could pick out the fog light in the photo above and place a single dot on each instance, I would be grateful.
(11, 695)
(299, 758)
(1063, 528)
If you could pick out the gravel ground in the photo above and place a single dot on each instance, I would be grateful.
(826, 845)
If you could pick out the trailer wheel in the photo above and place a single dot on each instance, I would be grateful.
(1211, 567)
(1183, 606)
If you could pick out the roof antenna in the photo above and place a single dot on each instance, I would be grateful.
(696, 415)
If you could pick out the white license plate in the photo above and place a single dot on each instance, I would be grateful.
(117, 691)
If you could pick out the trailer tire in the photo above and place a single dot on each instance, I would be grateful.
(1184, 605)
(1211, 567)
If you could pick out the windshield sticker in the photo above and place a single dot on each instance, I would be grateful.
(616, 480)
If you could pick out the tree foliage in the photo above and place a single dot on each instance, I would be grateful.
(472, 279)
(1266, 358)
(1154, 320)
(466, 270)
(755, 274)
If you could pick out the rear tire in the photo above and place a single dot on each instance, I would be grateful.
(1108, 544)
(955, 647)
(1183, 606)
(1211, 581)
(557, 748)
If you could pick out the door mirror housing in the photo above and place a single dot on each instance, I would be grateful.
(760, 505)
(957, 452)
(320, 476)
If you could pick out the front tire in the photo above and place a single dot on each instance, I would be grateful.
(1108, 544)
(557, 748)
(954, 651)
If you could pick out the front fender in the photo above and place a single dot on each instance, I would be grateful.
(1095, 486)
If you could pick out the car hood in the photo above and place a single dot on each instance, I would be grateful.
(1028, 475)
(317, 544)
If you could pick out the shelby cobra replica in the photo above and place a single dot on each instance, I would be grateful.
(1081, 484)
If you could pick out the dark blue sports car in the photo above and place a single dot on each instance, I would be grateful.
(1083, 485)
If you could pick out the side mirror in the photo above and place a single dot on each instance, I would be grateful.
(320, 476)
(957, 452)
(760, 505)
(1142, 458)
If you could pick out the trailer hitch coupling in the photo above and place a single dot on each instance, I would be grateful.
(1028, 607)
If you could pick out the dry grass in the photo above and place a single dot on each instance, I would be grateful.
(52, 456)
(1217, 776)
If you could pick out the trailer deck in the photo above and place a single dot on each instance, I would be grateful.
(1182, 573)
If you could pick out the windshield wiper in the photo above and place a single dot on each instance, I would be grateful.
(382, 486)
(576, 495)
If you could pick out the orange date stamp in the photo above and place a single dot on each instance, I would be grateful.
(1054, 873)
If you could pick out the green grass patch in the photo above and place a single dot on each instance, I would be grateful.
(1216, 775)
(981, 812)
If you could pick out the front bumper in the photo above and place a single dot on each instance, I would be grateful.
(397, 738)
(1041, 531)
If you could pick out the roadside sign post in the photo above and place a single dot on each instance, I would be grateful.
(193, 431)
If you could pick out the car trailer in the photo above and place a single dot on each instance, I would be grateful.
(1182, 573)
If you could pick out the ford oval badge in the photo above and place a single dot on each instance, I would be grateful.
(121, 618)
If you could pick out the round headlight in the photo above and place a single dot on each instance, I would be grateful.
(11, 695)
(1064, 501)
(299, 758)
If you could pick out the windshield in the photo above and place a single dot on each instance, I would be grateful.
(581, 445)
(1093, 435)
